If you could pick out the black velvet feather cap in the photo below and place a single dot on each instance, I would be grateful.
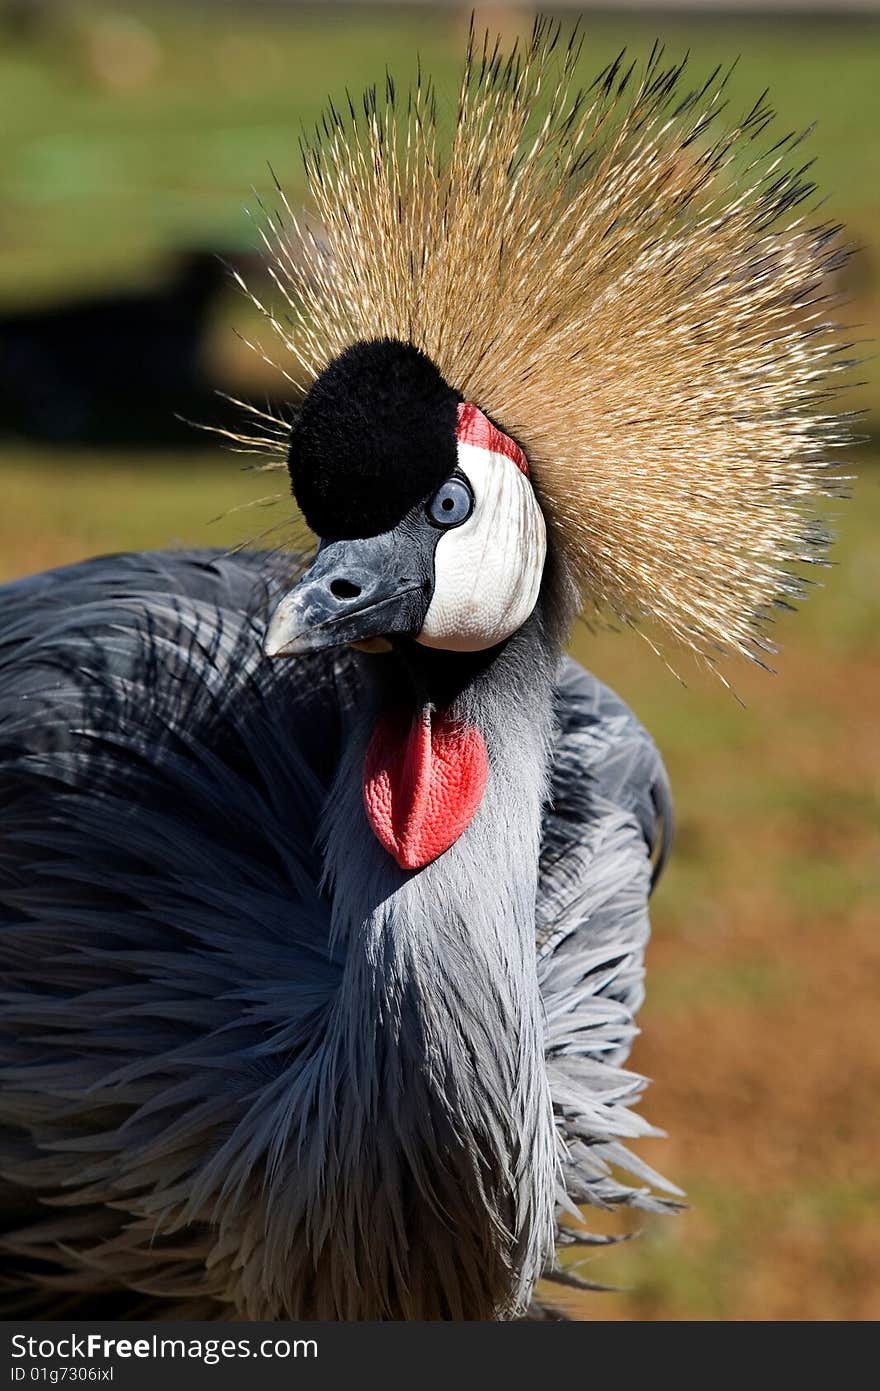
(375, 435)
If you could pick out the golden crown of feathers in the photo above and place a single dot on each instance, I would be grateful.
(623, 279)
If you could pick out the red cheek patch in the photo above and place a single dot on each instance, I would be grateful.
(423, 780)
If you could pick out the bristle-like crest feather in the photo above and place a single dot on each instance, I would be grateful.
(625, 280)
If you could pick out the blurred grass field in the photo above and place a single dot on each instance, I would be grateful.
(129, 133)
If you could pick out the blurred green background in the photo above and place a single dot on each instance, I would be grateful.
(132, 133)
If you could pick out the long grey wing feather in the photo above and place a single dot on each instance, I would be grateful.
(163, 941)
(609, 818)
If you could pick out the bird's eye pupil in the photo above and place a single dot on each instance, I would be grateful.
(452, 503)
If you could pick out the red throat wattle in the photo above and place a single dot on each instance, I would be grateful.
(424, 777)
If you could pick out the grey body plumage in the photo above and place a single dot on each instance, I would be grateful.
(319, 973)
(249, 1066)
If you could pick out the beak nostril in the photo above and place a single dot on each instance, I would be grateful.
(344, 589)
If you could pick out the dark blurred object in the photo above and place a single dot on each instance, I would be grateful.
(115, 369)
(22, 19)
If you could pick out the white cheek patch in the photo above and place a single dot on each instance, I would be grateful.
(487, 572)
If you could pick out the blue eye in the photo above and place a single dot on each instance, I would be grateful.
(452, 503)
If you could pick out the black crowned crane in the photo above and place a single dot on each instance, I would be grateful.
(323, 899)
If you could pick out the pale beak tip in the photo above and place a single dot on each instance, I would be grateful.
(280, 637)
(279, 645)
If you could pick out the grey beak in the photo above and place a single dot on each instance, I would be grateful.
(354, 590)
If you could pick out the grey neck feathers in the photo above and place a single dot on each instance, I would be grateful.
(433, 1103)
